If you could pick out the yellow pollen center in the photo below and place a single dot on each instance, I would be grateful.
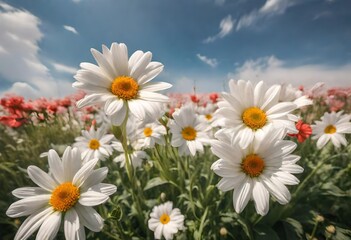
(208, 117)
(147, 132)
(164, 219)
(94, 144)
(330, 129)
(252, 165)
(254, 118)
(189, 133)
(125, 87)
(64, 197)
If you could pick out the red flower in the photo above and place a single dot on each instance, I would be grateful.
(305, 131)
(194, 98)
(214, 97)
(13, 121)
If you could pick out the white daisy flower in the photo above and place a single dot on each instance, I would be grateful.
(67, 194)
(290, 94)
(94, 144)
(188, 131)
(151, 133)
(120, 83)
(333, 127)
(165, 221)
(136, 156)
(264, 168)
(249, 110)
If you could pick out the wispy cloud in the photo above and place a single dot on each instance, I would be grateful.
(273, 70)
(64, 68)
(225, 27)
(20, 63)
(219, 2)
(70, 29)
(269, 9)
(209, 61)
(324, 14)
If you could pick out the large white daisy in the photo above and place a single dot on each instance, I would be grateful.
(264, 168)
(94, 144)
(189, 133)
(165, 221)
(249, 110)
(333, 127)
(67, 194)
(121, 83)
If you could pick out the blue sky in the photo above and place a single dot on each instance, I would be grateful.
(202, 43)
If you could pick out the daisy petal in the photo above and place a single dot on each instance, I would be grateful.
(27, 206)
(90, 218)
(41, 178)
(55, 165)
(84, 172)
(50, 226)
(92, 198)
(242, 196)
(71, 224)
(32, 223)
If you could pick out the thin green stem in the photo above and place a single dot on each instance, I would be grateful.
(314, 230)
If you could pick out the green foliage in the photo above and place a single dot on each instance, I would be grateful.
(191, 185)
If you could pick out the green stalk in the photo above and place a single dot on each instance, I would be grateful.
(314, 230)
(136, 191)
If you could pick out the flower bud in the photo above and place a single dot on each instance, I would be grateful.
(223, 231)
(330, 229)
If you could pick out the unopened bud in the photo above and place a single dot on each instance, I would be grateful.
(223, 231)
(330, 229)
(163, 196)
(319, 218)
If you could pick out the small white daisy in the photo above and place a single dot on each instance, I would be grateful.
(333, 127)
(249, 110)
(136, 156)
(264, 168)
(290, 94)
(189, 133)
(165, 221)
(151, 133)
(67, 194)
(94, 144)
(121, 83)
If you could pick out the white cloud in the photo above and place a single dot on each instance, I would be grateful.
(20, 63)
(219, 2)
(272, 70)
(209, 61)
(64, 68)
(70, 29)
(225, 26)
(269, 9)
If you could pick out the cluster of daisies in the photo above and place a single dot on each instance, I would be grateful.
(246, 129)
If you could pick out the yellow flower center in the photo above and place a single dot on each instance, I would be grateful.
(94, 144)
(254, 118)
(147, 132)
(125, 87)
(64, 197)
(330, 129)
(252, 165)
(208, 117)
(164, 219)
(189, 133)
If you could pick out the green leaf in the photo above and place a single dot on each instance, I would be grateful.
(293, 229)
(154, 182)
(263, 232)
